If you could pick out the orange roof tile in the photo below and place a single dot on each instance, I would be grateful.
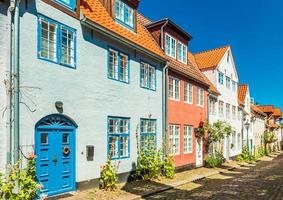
(192, 60)
(277, 112)
(210, 59)
(266, 108)
(242, 92)
(257, 110)
(96, 12)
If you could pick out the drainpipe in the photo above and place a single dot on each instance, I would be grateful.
(16, 82)
(9, 80)
(162, 34)
(164, 107)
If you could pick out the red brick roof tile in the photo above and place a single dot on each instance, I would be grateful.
(242, 92)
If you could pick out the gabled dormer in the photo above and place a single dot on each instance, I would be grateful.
(124, 12)
(172, 39)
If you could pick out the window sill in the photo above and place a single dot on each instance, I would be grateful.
(126, 82)
(55, 62)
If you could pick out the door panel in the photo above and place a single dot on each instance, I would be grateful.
(55, 167)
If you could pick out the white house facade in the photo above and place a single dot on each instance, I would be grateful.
(219, 67)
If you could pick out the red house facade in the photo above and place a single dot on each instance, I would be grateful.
(187, 95)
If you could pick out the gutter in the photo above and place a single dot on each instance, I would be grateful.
(16, 77)
(108, 33)
(164, 108)
(9, 79)
(162, 33)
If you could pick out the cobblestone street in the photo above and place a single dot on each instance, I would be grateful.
(263, 181)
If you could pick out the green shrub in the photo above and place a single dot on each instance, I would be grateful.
(148, 164)
(168, 168)
(108, 176)
(20, 184)
(246, 156)
(261, 152)
(214, 160)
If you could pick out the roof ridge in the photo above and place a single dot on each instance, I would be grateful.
(205, 51)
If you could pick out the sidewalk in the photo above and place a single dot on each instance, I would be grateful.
(141, 189)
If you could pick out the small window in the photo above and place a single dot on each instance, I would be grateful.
(57, 42)
(220, 78)
(228, 82)
(170, 46)
(221, 109)
(44, 138)
(148, 73)
(200, 96)
(174, 139)
(228, 111)
(182, 52)
(174, 88)
(233, 112)
(148, 133)
(118, 68)
(124, 14)
(188, 93)
(234, 86)
(65, 138)
(212, 106)
(71, 4)
(118, 137)
(188, 139)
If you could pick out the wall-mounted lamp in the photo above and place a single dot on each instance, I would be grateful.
(59, 106)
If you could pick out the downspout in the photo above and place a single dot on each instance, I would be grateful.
(164, 107)
(162, 34)
(16, 82)
(9, 80)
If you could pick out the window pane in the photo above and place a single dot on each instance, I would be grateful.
(123, 146)
(123, 68)
(113, 68)
(113, 147)
(65, 138)
(48, 40)
(44, 138)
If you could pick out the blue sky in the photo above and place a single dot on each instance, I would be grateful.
(254, 28)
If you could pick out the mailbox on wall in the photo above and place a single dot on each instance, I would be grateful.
(89, 152)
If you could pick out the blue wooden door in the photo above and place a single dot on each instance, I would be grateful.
(55, 162)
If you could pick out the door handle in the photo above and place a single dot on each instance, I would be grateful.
(55, 159)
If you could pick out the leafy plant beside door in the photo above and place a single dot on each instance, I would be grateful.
(20, 184)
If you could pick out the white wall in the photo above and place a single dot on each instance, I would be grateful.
(227, 96)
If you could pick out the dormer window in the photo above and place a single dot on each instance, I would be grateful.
(182, 52)
(170, 46)
(70, 4)
(124, 14)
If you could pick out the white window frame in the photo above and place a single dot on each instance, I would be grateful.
(188, 93)
(200, 97)
(228, 82)
(234, 86)
(183, 52)
(175, 81)
(212, 106)
(170, 48)
(174, 137)
(234, 112)
(221, 108)
(188, 139)
(228, 111)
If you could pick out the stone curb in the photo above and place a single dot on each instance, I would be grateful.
(177, 184)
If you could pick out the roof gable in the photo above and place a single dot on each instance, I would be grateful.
(210, 59)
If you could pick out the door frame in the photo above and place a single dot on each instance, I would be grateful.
(67, 124)
(199, 162)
